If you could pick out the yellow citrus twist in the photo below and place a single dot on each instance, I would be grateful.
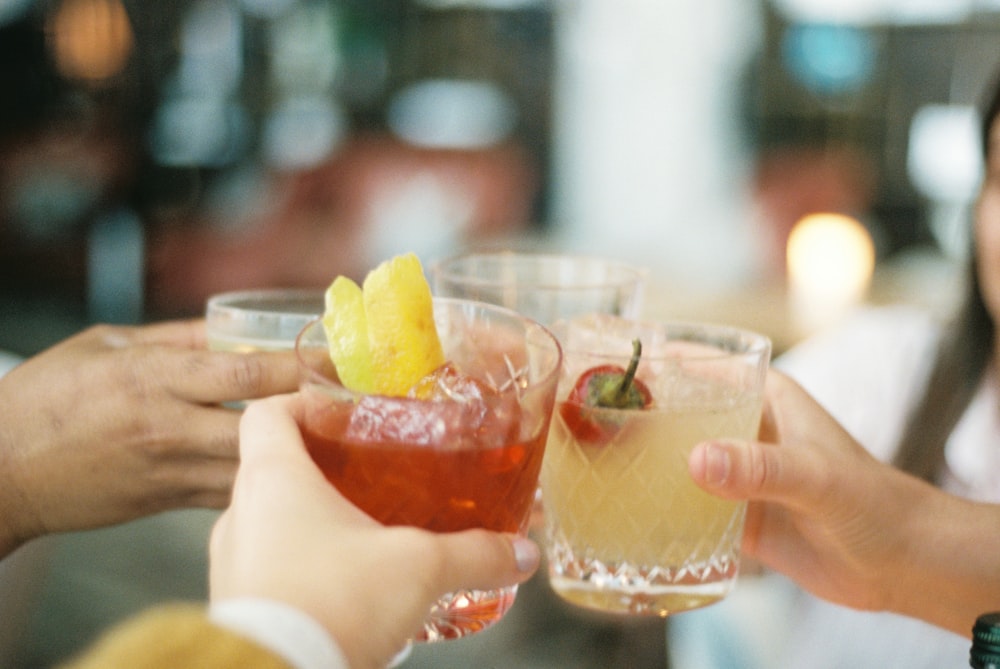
(382, 335)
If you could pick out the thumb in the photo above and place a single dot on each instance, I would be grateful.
(752, 470)
(269, 434)
(483, 560)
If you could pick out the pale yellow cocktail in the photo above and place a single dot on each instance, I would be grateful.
(627, 529)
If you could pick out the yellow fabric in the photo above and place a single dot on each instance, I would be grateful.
(174, 636)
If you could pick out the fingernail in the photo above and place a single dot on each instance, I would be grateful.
(717, 464)
(526, 554)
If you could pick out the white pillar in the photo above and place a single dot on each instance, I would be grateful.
(649, 164)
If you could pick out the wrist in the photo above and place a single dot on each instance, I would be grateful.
(16, 436)
(12, 504)
(949, 572)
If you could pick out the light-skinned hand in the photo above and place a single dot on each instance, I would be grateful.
(290, 536)
(849, 528)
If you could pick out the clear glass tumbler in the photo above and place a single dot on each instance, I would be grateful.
(627, 530)
(464, 454)
(545, 287)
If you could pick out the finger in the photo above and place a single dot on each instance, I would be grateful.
(208, 486)
(781, 395)
(270, 441)
(204, 483)
(273, 455)
(768, 430)
(757, 471)
(200, 432)
(189, 334)
(210, 377)
(268, 430)
(483, 560)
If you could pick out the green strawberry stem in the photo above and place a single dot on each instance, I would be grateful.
(618, 392)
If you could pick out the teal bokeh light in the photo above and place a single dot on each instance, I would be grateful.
(829, 59)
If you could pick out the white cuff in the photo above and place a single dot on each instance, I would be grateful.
(281, 628)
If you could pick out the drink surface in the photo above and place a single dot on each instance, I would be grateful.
(247, 344)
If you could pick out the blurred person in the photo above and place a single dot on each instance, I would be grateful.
(116, 423)
(302, 578)
(918, 393)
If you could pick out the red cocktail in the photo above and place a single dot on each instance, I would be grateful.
(464, 452)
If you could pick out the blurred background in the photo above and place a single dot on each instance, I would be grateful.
(154, 153)
(773, 162)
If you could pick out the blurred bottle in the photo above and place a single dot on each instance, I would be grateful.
(985, 651)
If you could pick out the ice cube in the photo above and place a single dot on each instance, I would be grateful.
(447, 410)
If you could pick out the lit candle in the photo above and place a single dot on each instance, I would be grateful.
(830, 260)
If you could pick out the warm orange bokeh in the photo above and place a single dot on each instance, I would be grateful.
(91, 39)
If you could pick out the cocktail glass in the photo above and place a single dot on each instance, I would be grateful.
(260, 320)
(545, 287)
(469, 458)
(627, 530)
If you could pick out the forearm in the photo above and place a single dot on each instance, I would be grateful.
(949, 564)
(12, 505)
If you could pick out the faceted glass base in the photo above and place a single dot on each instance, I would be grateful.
(621, 587)
(466, 612)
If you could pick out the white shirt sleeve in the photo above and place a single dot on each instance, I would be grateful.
(281, 628)
(868, 371)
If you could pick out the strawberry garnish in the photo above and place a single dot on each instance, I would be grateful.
(601, 388)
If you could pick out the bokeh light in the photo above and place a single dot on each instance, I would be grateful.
(91, 39)
(831, 259)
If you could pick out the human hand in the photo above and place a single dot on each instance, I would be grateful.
(290, 536)
(847, 527)
(820, 503)
(115, 423)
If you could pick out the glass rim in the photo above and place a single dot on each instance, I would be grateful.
(223, 302)
(318, 378)
(716, 335)
(629, 273)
